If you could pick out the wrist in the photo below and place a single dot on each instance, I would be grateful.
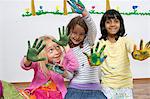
(67, 48)
(84, 13)
(65, 74)
(27, 62)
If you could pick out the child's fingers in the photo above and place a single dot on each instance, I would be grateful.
(92, 50)
(69, 3)
(54, 40)
(141, 44)
(135, 47)
(86, 54)
(39, 44)
(72, 9)
(102, 49)
(59, 42)
(97, 46)
(81, 4)
(34, 44)
(41, 48)
(29, 46)
(103, 58)
(73, 1)
(72, 4)
(49, 66)
(59, 32)
(41, 59)
(147, 45)
(63, 30)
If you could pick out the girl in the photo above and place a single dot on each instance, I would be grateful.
(81, 30)
(116, 73)
(46, 84)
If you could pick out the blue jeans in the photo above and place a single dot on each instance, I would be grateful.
(84, 94)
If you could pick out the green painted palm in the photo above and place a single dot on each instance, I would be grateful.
(64, 39)
(33, 52)
(96, 58)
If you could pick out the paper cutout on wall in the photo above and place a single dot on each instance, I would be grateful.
(108, 5)
(33, 8)
(92, 10)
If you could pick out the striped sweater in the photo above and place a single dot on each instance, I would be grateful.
(86, 77)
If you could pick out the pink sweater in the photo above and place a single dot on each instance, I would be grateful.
(70, 63)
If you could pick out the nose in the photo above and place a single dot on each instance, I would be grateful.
(112, 23)
(77, 36)
(57, 51)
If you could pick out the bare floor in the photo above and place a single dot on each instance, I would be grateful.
(141, 89)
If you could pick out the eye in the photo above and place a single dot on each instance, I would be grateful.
(51, 50)
(82, 34)
(117, 21)
(107, 21)
(73, 33)
(57, 47)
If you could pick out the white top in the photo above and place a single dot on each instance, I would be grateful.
(85, 73)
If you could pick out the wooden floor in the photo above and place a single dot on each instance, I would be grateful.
(141, 88)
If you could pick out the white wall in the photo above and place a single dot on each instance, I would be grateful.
(16, 30)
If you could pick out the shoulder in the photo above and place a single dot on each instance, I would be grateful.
(126, 39)
(102, 41)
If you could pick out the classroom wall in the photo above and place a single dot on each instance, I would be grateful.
(16, 30)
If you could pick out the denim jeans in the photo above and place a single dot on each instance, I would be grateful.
(84, 94)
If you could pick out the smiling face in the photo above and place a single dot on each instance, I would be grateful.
(54, 52)
(112, 26)
(77, 34)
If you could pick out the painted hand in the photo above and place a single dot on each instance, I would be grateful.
(96, 59)
(77, 6)
(143, 53)
(64, 39)
(55, 68)
(33, 52)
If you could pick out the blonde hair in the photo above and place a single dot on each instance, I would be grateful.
(43, 53)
